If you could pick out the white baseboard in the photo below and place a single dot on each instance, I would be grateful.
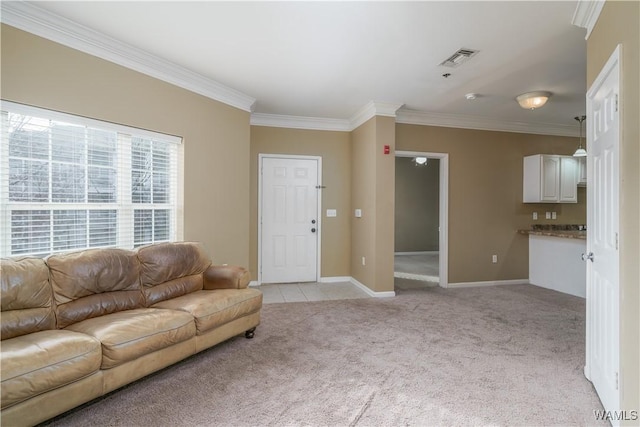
(254, 284)
(488, 283)
(386, 294)
(335, 279)
(421, 277)
(347, 279)
(418, 253)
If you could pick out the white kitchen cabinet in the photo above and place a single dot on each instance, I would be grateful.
(550, 178)
(582, 171)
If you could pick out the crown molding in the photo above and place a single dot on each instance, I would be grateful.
(586, 14)
(299, 122)
(413, 117)
(35, 20)
(371, 109)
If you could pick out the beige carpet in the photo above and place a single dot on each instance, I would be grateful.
(500, 356)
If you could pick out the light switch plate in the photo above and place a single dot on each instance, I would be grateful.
(358, 213)
(535, 216)
(331, 213)
(547, 215)
(554, 215)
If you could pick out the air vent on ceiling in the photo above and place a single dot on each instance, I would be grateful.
(459, 58)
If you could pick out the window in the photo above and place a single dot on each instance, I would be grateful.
(69, 183)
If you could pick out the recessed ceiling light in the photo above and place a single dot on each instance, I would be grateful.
(471, 96)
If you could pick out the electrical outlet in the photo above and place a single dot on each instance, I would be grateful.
(547, 215)
(535, 216)
(364, 261)
(494, 259)
(554, 215)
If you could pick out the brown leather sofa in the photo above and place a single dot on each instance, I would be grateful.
(79, 325)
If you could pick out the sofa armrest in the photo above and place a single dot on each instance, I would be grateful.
(226, 277)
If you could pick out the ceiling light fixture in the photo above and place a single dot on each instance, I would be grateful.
(533, 100)
(471, 96)
(580, 152)
(420, 161)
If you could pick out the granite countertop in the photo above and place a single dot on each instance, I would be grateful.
(570, 231)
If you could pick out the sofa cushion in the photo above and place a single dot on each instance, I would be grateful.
(169, 270)
(214, 308)
(94, 282)
(26, 297)
(42, 361)
(127, 335)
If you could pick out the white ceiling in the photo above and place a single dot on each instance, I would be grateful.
(329, 59)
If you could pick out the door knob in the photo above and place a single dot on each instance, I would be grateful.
(588, 256)
(313, 230)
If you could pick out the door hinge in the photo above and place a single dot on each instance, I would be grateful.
(616, 241)
(616, 102)
(617, 382)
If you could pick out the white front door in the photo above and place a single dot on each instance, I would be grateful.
(289, 220)
(603, 307)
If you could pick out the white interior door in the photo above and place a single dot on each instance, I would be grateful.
(603, 342)
(289, 220)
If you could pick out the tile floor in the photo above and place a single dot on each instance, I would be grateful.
(423, 267)
(411, 272)
(312, 291)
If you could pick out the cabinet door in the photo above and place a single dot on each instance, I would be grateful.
(582, 171)
(550, 180)
(568, 180)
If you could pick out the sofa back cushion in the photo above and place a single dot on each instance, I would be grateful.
(27, 300)
(94, 282)
(169, 270)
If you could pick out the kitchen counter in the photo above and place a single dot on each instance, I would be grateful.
(555, 258)
(567, 234)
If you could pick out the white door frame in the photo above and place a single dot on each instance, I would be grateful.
(262, 156)
(443, 211)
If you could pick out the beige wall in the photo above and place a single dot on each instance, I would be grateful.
(363, 196)
(619, 22)
(372, 189)
(485, 196)
(38, 72)
(417, 205)
(335, 151)
(385, 202)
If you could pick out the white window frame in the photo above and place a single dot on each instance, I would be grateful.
(123, 205)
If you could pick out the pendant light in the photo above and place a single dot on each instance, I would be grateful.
(580, 152)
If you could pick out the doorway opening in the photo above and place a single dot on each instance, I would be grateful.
(420, 246)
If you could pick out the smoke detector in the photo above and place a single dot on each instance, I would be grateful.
(461, 56)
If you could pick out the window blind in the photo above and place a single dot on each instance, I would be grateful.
(70, 183)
